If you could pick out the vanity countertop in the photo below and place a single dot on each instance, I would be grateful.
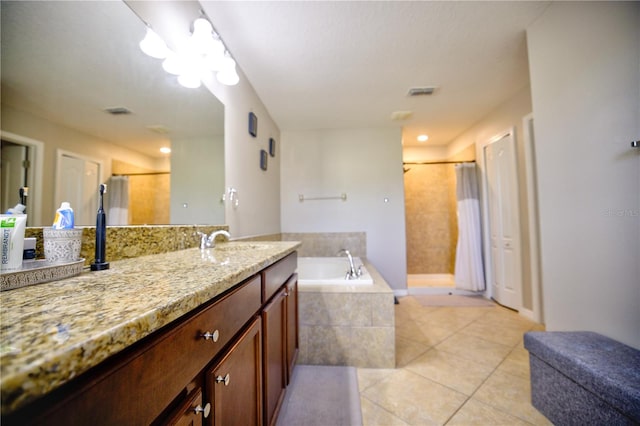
(51, 333)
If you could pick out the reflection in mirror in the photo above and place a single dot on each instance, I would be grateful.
(64, 64)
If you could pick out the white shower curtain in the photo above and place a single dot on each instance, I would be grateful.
(118, 200)
(469, 270)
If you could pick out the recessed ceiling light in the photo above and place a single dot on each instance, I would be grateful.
(165, 150)
(423, 138)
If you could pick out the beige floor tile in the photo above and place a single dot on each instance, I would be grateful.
(415, 399)
(511, 394)
(371, 376)
(477, 413)
(475, 349)
(502, 334)
(449, 322)
(516, 363)
(450, 370)
(427, 334)
(407, 350)
(374, 415)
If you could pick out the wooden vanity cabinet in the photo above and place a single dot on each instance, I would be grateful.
(208, 362)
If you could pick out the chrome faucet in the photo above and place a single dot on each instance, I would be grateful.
(352, 273)
(209, 241)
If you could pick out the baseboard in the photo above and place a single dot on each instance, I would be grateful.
(400, 293)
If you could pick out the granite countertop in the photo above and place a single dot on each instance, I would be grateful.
(51, 333)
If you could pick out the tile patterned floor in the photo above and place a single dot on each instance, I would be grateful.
(455, 366)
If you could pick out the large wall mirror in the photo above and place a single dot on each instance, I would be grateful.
(63, 65)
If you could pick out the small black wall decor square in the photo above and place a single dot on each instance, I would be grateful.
(272, 147)
(263, 159)
(253, 124)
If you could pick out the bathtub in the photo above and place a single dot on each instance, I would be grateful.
(330, 271)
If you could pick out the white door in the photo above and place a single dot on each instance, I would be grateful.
(78, 184)
(501, 185)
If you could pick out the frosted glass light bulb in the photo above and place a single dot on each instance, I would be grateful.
(190, 80)
(202, 37)
(228, 75)
(153, 45)
(173, 64)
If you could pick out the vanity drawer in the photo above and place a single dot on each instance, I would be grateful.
(277, 274)
(156, 370)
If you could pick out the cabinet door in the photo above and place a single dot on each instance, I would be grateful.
(274, 353)
(292, 324)
(234, 383)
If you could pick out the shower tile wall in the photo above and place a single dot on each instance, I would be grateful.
(149, 195)
(149, 200)
(431, 221)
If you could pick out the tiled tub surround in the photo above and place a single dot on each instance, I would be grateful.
(349, 325)
(327, 244)
(51, 333)
(124, 242)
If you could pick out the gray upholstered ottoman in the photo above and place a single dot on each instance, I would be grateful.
(580, 378)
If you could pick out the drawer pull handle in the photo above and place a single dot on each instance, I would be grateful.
(213, 336)
(205, 411)
(224, 379)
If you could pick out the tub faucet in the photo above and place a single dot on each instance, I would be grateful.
(352, 273)
(209, 241)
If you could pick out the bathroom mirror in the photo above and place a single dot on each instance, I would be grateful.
(63, 65)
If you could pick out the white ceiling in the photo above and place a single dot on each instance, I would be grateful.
(350, 64)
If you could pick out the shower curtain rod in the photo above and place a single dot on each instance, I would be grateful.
(438, 162)
(141, 174)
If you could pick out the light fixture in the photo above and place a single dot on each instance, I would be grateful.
(423, 138)
(204, 52)
(165, 150)
(153, 45)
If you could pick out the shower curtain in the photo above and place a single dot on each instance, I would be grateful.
(118, 200)
(469, 269)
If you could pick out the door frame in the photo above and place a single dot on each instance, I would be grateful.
(532, 207)
(34, 206)
(486, 235)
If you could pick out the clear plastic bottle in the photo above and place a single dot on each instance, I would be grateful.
(64, 217)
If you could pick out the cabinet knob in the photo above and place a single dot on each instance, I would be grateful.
(213, 336)
(205, 411)
(224, 379)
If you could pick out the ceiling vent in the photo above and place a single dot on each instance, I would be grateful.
(118, 111)
(422, 91)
